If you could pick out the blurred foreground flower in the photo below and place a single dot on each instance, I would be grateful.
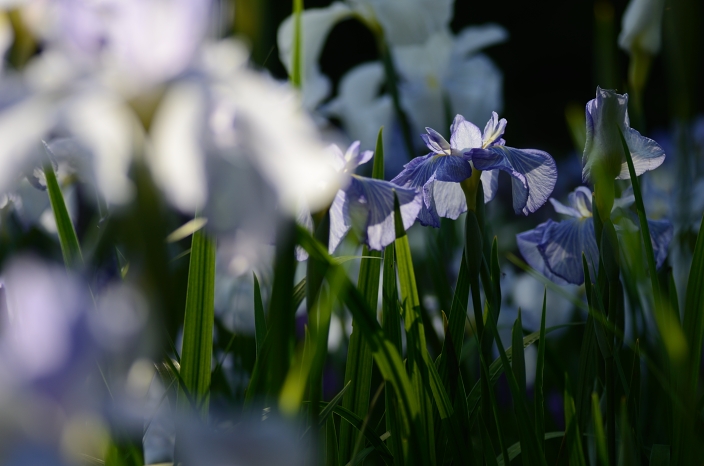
(55, 341)
(555, 248)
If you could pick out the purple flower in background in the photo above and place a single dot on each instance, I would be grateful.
(555, 248)
(606, 114)
(448, 164)
(369, 199)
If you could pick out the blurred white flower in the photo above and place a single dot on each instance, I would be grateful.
(238, 123)
(444, 76)
(400, 22)
(641, 27)
(447, 71)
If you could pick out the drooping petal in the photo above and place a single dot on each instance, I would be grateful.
(339, 220)
(418, 171)
(646, 154)
(316, 24)
(465, 135)
(528, 242)
(661, 232)
(490, 184)
(560, 246)
(534, 173)
(374, 200)
(449, 199)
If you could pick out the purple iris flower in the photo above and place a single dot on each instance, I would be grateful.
(369, 201)
(606, 114)
(555, 248)
(439, 173)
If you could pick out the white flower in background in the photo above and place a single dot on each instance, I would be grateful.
(360, 106)
(446, 71)
(449, 71)
(641, 27)
(402, 23)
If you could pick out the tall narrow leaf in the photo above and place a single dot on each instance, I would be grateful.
(259, 318)
(415, 332)
(196, 354)
(539, 372)
(70, 248)
(574, 438)
(358, 370)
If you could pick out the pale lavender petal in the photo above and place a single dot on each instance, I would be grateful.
(560, 208)
(562, 246)
(490, 183)
(528, 242)
(465, 135)
(339, 220)
(534, 173)
(449, 199)
(435, 141)
(418, 171)
(375, 199)
(493, 130)
(646, 154)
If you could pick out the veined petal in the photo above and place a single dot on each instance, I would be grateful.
(490, 184)
(528, 242)
(493, 130)
(375, 199)
(418, 171)
(449, 199)
(316, 24)
(534, 173)
(339, 220)
(646, 154)
(560, 208)
(465, 135)
(436, 142)
(562, 245)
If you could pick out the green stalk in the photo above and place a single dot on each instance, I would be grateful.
(68, 240)
(196, 354)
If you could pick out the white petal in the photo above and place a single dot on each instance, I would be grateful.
(177, 158)
(412, 21)
(316, 24)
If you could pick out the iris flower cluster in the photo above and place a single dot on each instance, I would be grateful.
(555, 248)
(442, 183)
